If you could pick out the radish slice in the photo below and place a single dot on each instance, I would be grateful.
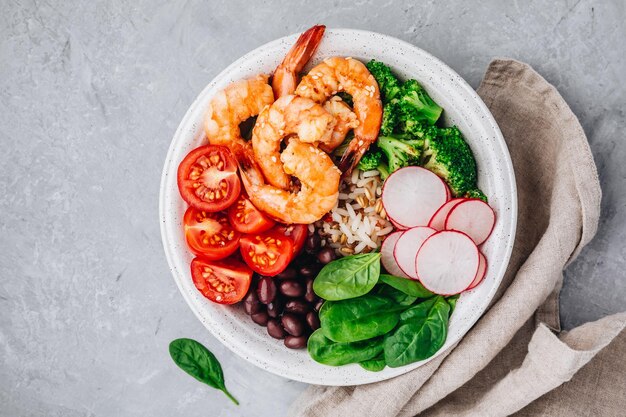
(482, 270)
(439, 218)
(474, 218)
(412, 195)
(397, 226)
(447, 262)
(407, 247)
(386, 255)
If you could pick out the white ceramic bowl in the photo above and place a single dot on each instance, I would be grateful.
(462, 107)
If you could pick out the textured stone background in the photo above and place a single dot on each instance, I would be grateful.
(90, 95)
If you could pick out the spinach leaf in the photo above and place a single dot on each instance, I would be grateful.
(195, 359)
(327, 352)
(390, 292)
(359, 318)
(374, 365)
(421, 333)
(406, 285)
(348, 277)
(452, 301)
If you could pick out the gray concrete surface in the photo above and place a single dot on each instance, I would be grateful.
(90, 95)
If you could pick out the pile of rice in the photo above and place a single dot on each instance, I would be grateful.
(358, 223)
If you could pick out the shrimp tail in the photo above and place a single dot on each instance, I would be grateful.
(249, 169)
(285, 77)
(352, 155)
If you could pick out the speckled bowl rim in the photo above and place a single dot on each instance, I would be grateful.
(254, 344)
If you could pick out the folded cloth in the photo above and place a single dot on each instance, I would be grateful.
(514, 355)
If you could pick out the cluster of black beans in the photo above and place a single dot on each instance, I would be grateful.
(286, 303)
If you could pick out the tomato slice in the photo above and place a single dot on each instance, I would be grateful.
(207, 178)
(297, 233)
(223, 282)
(210, 234)
(246, 218)
(267, 253)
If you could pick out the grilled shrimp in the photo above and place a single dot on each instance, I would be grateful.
(319, 189)
(346, 120)
(349, 75)
(289, 115)
(236, 103)
(285, 76)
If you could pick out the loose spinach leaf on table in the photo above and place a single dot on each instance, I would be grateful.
(195, 359)
(327, 352)
(359, 318)
(422, 331)
(348, 277)
(374, 365)
(406, 285)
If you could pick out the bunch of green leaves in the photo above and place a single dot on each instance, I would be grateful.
(376, 319)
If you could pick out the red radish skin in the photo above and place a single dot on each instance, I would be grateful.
(397, 226)
(412, 195)
(386, 255)
(408, 245)
(473, 217)
(438, 220)
(482, 271)
(447, 262)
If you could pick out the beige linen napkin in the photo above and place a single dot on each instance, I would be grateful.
(511, 358)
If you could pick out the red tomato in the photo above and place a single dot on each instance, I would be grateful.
(207, 178)
(224, 282)
(297, 233)
(210, 234)
(246, 218)
(267, 253)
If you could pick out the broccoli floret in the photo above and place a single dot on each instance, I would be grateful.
(383, 170)
(387, 82)
(449, 156)
(414, 96)
(410, 122)
(476, 193)
(400, 150)
(370, 160)
(390, 119)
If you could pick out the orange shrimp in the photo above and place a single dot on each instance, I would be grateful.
(236, 103)
(346, 120)
(319, 189)
(289, 115)
(285, 76)
(349, 75)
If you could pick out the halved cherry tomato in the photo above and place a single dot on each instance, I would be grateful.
(210, 234)
(297, 233)
(246, 218)
(207, 178)
(267, 253)
(224, 282)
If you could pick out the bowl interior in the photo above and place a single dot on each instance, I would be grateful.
(462, 107)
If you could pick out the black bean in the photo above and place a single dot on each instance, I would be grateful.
(275, 330)
(303, 259)
(318, 305)
(291, 288)
(297, 307)
(292, 324)
(309, 294)
(251, 304)
(266, 290)
(313, 320)
(313, 242)
(293, 342)
(275, 308)
(289, 273)
(260, 318)
(309, 270)
(326, 256)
